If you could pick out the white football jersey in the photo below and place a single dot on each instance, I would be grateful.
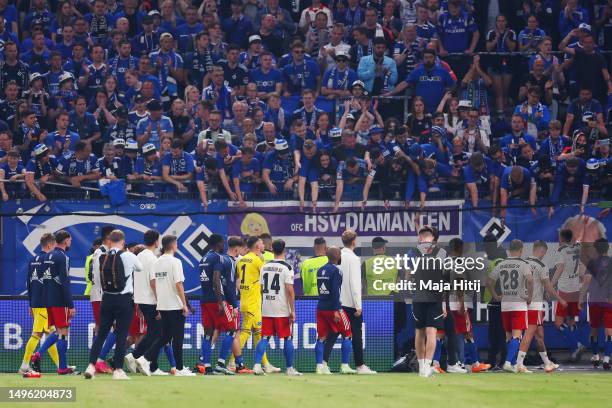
(539, 273)
(512, 274)
(569, 256)
(273, 277)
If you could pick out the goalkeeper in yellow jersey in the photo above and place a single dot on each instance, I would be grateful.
(248, 269)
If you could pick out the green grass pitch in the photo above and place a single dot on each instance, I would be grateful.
(383, 390)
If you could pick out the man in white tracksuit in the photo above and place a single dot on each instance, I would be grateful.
(350, 296)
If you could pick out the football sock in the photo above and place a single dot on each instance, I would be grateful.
(520, 358)
(54, 355)
(328, 346)
(30, 348)
(347, 348)
(512, 350)
(460, 346)
(544, 357)
(226, 346)
(256, 339)
(474, 351)
(426, 364)
(594, 345)
(206, 351)
(261, 349)
(608, 347)
(49, 341)
(62, 348)
(568, 335)
(288, 352)
(571, 338)
(170, 355)
(239, 361)
(438, 350)
(421, 365)
(319, 351)
(469, 355)
(108, 345)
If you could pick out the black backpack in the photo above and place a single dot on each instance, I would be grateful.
(112, 273)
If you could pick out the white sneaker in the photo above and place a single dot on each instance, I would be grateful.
(456, 369)
(143, 366)
(346, 369)
(159, 372)
(523, 370)
(427, 372)
(185, 372)
(509, 367)
(257, 370)
(292, 372)
(365, 370)
(25, 368)
(323, 369)
(90, 372)
(119, 374)
(130, 362)
(270, 369)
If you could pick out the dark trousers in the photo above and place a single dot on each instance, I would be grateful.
(173, 329)
(451, 336)
(154, 331)
(497, 335)
(118, 309)
(356, 323)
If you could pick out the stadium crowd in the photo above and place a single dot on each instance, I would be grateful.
(336, 100)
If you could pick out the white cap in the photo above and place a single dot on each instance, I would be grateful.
(148, 148)
(358, 83)
(154, 12)
(585, 27)
(65, 77)
(464, 103)
(131, 145)
(34, 76)
(166, 35)
(342, 53)
(254, 38)
(119, 142)
(281, 145)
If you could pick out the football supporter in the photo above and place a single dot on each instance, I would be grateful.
(278, 307)
(516, 282)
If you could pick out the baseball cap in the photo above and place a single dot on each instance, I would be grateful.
(438, 130)
(341, 54)
(154, 13)
(119, 143)
(281, 145)
(40, 149)
(584, 27)
(149, 149)
(166, 35)
(592, 164)
(350, 116)
(254, 38)
(358, 83)
(66, 76)
(34, 76)
(154, 105)
(379, 242)
(464, 103)
(335, 133)
(376, 129)
(131, 144)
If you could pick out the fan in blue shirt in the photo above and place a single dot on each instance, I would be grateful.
(432, 178)
(278, 168)
(479, 177)
(245, 174)
(517, 183)
(518, 137)
(430, 80)
(300, 73)
(267, 78)
(149, 169)
(571, 181)
(178, 166)
(455, 27)
(78, 166)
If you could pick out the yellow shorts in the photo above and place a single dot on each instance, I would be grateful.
(251, 321)
(41, 322)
